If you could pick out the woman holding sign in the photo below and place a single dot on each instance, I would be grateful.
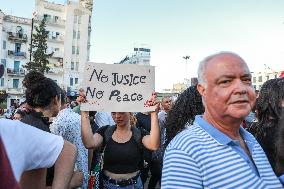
(122, 146)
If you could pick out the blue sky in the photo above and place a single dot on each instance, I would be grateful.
(175, 28)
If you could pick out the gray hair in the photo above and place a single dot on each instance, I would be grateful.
(204, 62)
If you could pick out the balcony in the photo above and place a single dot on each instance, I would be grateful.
(54, 70)
(17, 37)
(17, 54)
(57, 54)
(16, 72)
(55, 21)
(58, 39)
(15, 90)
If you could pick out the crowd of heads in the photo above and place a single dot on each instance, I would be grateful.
(219, 96)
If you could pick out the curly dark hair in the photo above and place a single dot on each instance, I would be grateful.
(268, 105)
(279, 168)
(268, 111)
(186, 107)
(40, 90)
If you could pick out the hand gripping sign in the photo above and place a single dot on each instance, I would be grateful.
(118, 87)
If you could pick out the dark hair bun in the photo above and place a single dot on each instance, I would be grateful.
(40, 90)
(32, 78)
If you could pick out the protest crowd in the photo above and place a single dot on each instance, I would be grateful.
(216, 134)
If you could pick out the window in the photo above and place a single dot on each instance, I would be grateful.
(57, 35)
(15, 83)
(46, 17)
(49, 34)
(75, 18)
(254, 79)
(78, 35)
(77, 66)
(16, 66)
(3, 61)
(2, 82)
(74, 34)
(71, 81)
(4, 44)
(17, 47)
(72, 65)
(56, 18)
(53, 35)
(73, 49)
(76, 81)
(79, 20)
(260, 79)
(77, 52)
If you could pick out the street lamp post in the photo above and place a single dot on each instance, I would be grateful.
(186, 59)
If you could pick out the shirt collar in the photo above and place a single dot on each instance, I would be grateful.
(218, 135)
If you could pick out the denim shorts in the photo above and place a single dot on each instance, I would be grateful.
(137, 185)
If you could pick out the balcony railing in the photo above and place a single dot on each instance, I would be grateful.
(59, 38)
(57, 54)
(52, 20)
(16, 54)
(16, 72)
(55, 70)
(17, 37)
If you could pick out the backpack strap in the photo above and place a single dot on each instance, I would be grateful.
(137, 135)
(108, 133)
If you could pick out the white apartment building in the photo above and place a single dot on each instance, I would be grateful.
(69, 27)
(258, 78)
(141, 56)
(14, 32)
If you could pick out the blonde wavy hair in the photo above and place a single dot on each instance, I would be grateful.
(133, 119)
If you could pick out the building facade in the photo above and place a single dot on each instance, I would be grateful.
(69, 27)
(13, 54)
(258, 78)
(141, 56)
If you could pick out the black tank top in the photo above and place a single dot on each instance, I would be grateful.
(122, 158)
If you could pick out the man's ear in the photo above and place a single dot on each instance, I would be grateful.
(201, 89)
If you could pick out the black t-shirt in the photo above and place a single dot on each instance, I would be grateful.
(121, 158)
(37, 120)
(143, 121)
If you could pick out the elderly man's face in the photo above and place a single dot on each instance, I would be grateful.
(229, 92)
(167, 103)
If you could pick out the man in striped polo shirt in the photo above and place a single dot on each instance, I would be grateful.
(216, 152)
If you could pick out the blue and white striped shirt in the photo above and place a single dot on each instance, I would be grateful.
(203, 157)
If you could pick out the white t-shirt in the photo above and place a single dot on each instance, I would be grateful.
(28, 147)
(103, 119)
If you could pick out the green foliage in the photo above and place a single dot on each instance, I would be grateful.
(39, 44)
(3, 96)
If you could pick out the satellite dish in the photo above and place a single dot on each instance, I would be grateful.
(1, 70)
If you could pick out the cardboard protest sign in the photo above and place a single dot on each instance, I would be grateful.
(118, 87)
